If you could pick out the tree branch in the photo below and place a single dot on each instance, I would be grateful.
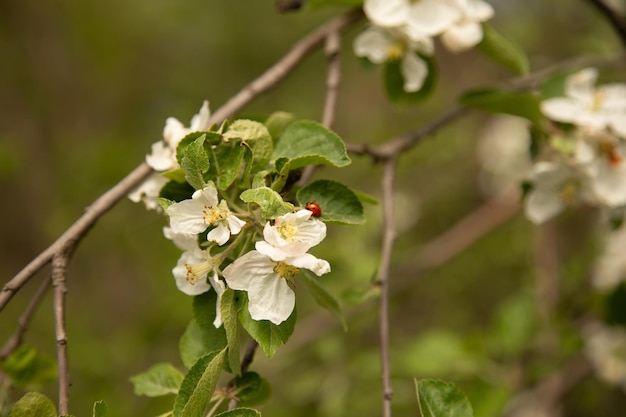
(618, 22)
(59, 268)
(284, 66)
(389, 235)
(22, 323)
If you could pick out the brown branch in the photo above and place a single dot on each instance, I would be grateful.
(59, 268)
(22, 323)
(389, 235)
(618, 22)
(284, 66)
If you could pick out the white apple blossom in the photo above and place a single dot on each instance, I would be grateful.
(603, 159)
(587, 106)
(380, 46)
(195, 215)
(148, 191)
(191, 271)
(163, 155)
(466, 31)
(610, 267)
(606, 349)
(266, 281)
(292, 234)
(556, 185)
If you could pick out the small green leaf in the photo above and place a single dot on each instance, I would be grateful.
(271, 203)
(309, 143)
(176, 191)
(268, 335)
(201, 336)
(100, 409)
(394, 81)
(503, 50)
(324, 298)
(339, 204)
(195, 162)
(177, 175)
(240, 412)
(228, 309)
(277, 122)
(441, 399)
(29, 368)
(33, 404)
(198, 386)
(257, 137)
(502, 101)
(251, 389)
(160, 379)
(226, 159)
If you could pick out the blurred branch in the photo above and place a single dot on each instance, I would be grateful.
(284, 66)
(76, 231)
(22, 323)
(389, 234)
(617, 21)
(59, 269)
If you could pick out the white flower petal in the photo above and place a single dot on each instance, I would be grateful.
(462, 36)
(432, 17)
(148, 191)
(273, 252)
(173, 132)
(181, 271)
(295, 233)
(387, 13)
(186, 217)
(200, 121)
(235, 224)
(183, 241)
(561, 109)
(414, 70)
(162, 157)
(219, 235)
(372, 44)
(219, 288)
(317, 266)
(208, 195)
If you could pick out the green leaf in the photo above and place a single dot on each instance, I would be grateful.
(268, 335)
(34, 404)
(277, 122)
(441, 399)
(195, 162)
(177, 175)
(201, 336)
(29, 368)
(198, 386)
(228, 309)
(176, 191)
(339, 204)
(324, 298)
(100, 409)
(394, 81)
(161, 379)
(226, 161)
(271, 203)
(309, 143)
(240, 412)
(502, 101)
(257, 137)
(251, 389)
(503, 50)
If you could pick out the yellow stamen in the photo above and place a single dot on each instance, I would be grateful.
(288, 231)
(284, 270)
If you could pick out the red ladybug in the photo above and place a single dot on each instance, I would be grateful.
(314, 208)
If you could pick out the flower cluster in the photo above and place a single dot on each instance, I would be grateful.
(402, 30)
(163, 156)
(584, 162)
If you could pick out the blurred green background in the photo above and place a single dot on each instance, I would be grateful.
(85, 88)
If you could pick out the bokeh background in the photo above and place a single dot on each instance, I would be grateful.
(85, 88)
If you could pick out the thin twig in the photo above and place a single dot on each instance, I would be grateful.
(284, 66)
(618, 22)
(333, 78)
(246, 361)
(76, 231)
(22, 323)
(389, 234)
(59, 267)
(402, 143)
